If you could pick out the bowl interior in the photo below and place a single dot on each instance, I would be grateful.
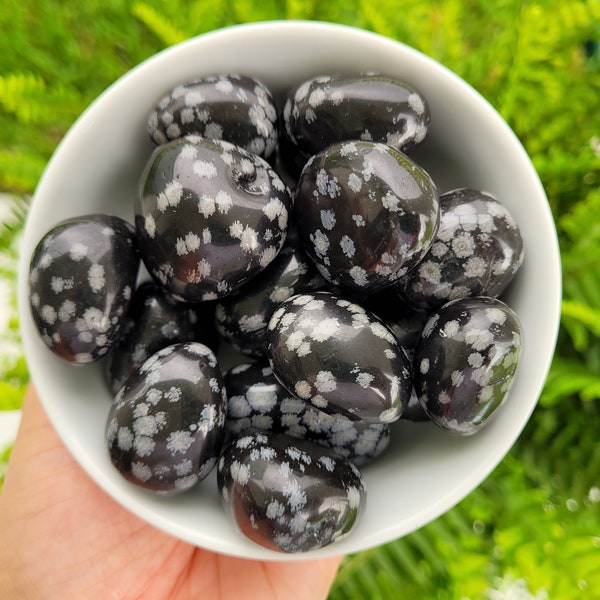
(96, 169)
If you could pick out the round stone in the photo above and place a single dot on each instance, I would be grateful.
(81, 279)
(287, 494)
(209, 216)
(365, 214)
(335, 355)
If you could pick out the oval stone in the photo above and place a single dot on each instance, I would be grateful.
(465, 362)
(365, 214)
(327, 109)
(231, 107)
(340, 358)
(287, 494)
(477, 251)
(166, 426)
(81, 278)
(209, 216)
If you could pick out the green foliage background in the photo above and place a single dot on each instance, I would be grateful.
(532, 529)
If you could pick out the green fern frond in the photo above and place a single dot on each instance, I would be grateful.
(207, 15)
(11, 395)
(580, 259)
(299, 9)
(18, 92)
(568, 378)
(13, 223)
(561, 502)
(14, 373)
(385, 18)
(383, 573)
(565, 174)
(182, 20)
(581, 272)
(415, 566)
(27, 96)
(584, 216)
(20, 170)
(159, 24)
(580, 319)
(13, 219)
(543, 47)
(246, 12)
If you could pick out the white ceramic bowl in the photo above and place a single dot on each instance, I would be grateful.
(96, 169)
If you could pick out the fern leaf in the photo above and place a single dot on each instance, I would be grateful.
(207, 15)
(568, 378)
(580, 259)
(299, 9)
(11, 396)
(158, 24)
(20, 170)
(14, 221)
(381, 572)
(27, 97)
(384, 17)
(580, 320)
(244, 11)
(584, 216)
(14, 209)
(16, 92)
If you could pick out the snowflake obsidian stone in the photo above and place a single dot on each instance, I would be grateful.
(333, 108)
(209, 216)
(477, 251)
(288, 494)
(340, 358)
(465, 362)
(256, 400)
(231, 107)
(81, 279)
(166, 425)
(365, 214)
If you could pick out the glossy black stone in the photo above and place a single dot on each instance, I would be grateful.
(337, 356)
(365, 214)
(328, 109)
(242, 318)
(166, 426)
(465, 362)
(256, 400)
(154, 321)
(81, 278)
(287, 494)
(209, 216)
(477, 251)
(231, 107)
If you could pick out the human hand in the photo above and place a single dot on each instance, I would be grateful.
(62, 537)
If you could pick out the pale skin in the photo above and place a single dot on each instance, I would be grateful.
(62, 537)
